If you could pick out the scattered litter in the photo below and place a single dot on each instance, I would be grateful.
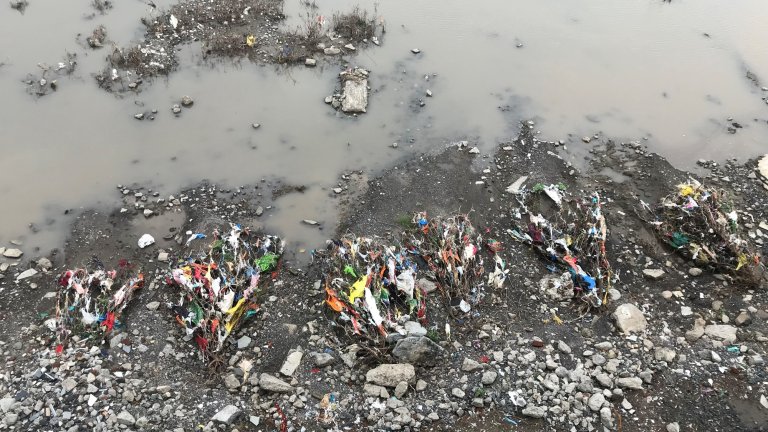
(702, 225)
(87, 300)
(572, 239)
(328, 407)
(220, 285)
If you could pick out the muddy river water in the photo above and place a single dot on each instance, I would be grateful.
(667, 74)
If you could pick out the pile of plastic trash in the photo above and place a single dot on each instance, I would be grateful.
(89, 301)
(451, 250)
(220, 284)
(570, 234)
(371, 287)
(703, 225)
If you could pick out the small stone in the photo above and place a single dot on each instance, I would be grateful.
(310, 62)
(653, 274)
(614, 294)
(44, 264)
(415, 50)
(323, 359)
(633, 383)
(176, 109)
(274, 384)
(338, 190)
(418, 350)
(259, 211)
(389, 374)
(458, 393)
(724, 332)
(629, 318)
(227, 415)
(26, 274)
(125, 418)
(148, 213)
(139, 116)
(162, 257)
(664, 354)
(715, 357)
(244, 342)
(153, 305)
(13, 253)
(332, 51)
(470, 365)
(401, 389)
(413, 328)
(374, 390)
(626, 404)
(489, 377)
(534, 411)
(686, 311)
(673, 427)
(596, 402)
(146, 240)
(255, 125)
(291, 363)
(429, 93)
(695, 271)
(232, 382)
(563, 347)
(743, 319)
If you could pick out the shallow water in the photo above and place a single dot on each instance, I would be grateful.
(625, 69)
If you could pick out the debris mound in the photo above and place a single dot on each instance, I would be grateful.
(571, 238)
(450, 248)
(89, 302)
(371, 287)
(220, 284)
(702, 224)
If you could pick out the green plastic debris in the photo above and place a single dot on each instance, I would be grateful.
(267, 262)
(679, 240)
(348, 270)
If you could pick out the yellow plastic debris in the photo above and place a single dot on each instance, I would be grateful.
(686, 189)
(358, 289)
(250, 40)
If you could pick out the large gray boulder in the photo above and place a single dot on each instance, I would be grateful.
(389, 375)
(630, 319)
(417, 349)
